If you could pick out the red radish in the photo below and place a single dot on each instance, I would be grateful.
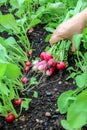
(41, 62)
(29, 53)
(52, 62)
(24, 80)
(50, 71)
(17, 102)
(48, 56)
(10, 118)
(61, 65)
(42, 67)
(31, 30)
(26, 69)
(28, 63)
(36, 66)
(42, 55)
(45, 56)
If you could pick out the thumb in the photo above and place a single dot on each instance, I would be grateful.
(73, 48)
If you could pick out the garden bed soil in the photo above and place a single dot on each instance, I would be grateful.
(43, 112)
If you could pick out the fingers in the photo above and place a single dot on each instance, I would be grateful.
(57, 35)
(55, 39)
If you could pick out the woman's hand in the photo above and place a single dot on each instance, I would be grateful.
(67, 29)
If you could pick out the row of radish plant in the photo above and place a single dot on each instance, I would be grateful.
(16, 60)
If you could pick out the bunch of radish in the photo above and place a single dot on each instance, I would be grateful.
(47, 64)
